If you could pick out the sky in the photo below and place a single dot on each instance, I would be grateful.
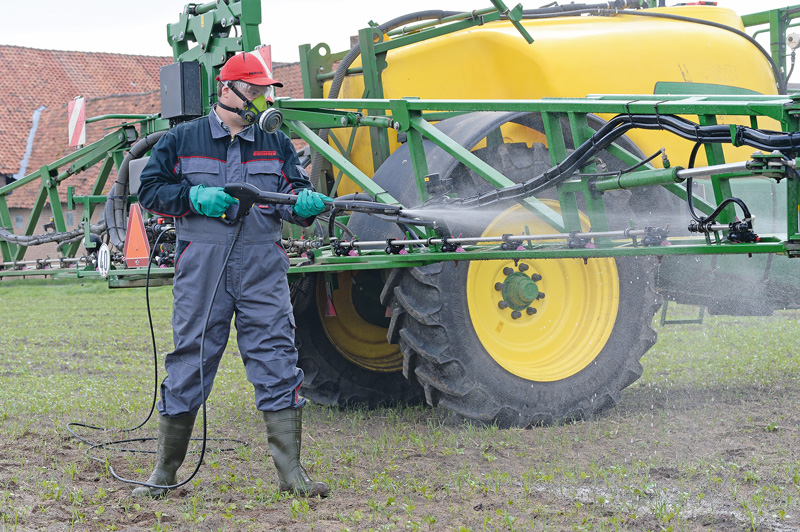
(139, 26)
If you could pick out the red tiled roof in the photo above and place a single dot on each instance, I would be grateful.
(52, 78)
(51, 142)
(111, 84)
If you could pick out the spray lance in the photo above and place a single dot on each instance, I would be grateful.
(249, 195)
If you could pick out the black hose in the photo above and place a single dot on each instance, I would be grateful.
(706, 220)
(626, 170)
(44, 238)
(690, 184)
(115, 209)
(787, 143)
(205, 438)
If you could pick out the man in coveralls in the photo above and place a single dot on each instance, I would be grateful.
(184, 179)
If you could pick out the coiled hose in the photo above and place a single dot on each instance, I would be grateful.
(116, 206)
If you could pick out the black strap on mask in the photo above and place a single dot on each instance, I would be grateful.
(249, 113)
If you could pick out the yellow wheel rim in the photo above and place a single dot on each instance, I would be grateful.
(361, 342)
(573, 320)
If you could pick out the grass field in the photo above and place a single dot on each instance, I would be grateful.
(706, 440)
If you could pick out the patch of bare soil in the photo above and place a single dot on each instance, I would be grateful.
(690, 459)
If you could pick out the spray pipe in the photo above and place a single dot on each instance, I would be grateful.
(248, 195)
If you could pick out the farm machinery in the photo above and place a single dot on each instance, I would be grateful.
(518, 191)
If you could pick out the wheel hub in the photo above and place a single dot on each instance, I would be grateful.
(519, 291)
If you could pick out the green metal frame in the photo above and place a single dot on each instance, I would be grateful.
(411, 116)
(107, 151)
(203, 34)
(778, 21)
(209, 26)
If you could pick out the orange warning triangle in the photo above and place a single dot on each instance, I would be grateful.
(137, 247)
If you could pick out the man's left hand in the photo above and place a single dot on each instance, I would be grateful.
(310, 203)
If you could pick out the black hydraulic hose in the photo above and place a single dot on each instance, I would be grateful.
(572, 8)
(114, 212)
(626, 170)
(155, 371)
(706, 220)
(347, 60)
(787, 143)
(690, 184)
(65, 237)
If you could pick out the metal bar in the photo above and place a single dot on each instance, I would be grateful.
(381, 260)
(330, 75)
(775, 107)
(117, 117)
(488, 173)
(581, 132)
(444, 20)
(375, 62)
(504, 238)
(703, 171)
(36, 211)
(356, 175)
(793, 207)
(7, 249)
(111, 141)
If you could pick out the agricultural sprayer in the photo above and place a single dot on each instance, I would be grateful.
(518, 191)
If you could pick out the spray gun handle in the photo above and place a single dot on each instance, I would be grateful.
(248, 195)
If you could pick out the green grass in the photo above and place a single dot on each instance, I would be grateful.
(707, 439)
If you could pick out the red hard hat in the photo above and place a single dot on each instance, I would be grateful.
(247, 67)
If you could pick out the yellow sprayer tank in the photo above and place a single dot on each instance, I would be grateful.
(576, 56)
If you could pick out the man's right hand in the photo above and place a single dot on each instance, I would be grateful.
(210, 201)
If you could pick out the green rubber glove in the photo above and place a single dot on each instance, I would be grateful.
(310, 203)
(210, 201)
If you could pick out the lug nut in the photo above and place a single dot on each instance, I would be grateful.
(502, 304)
(499, 286)
(531, 311)
(536, 277)
(540, 296)
(516, 315)
(523, 267)
(507, 271)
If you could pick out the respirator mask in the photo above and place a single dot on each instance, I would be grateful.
(256, 110)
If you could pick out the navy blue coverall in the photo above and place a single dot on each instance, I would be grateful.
(254, 287)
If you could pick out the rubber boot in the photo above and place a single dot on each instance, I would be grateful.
(284, 432)
(174, 435)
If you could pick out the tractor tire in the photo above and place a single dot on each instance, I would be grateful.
(342, 347)
(571, 358)
(455, 353)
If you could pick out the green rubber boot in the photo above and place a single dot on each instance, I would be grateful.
(174, 435)
(284, 432)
